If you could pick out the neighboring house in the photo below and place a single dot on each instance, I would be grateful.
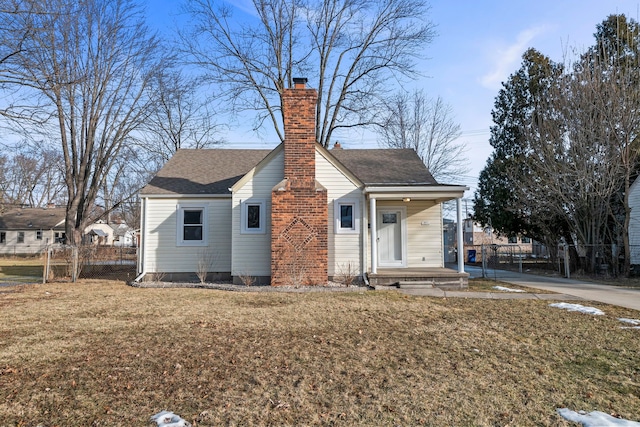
(123, 235)
(29, 230)
(634, 222)
(297, 214)
(103, 234)
(99, 233)
(475, 235)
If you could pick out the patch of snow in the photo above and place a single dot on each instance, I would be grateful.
(169, 419)
(578, 307)
(502, 288)
(595, 419)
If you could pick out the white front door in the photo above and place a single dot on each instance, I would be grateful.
(391, 244)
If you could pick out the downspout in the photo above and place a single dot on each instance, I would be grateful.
(363, 253)
(374, 237)
(459, 236)
(142, 245)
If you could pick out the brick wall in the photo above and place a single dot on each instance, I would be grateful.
(299, 210)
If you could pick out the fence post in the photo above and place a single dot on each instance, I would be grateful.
(566, 261)
(45, 268)
(483, 254)
(74, 256)
(520, 258)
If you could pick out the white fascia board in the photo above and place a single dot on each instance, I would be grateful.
(440, 193)
(185, 196)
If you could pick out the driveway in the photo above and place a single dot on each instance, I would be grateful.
(614, 295)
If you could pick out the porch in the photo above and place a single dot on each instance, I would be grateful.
(444, 278)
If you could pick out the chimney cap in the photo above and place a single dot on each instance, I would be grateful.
(300, 82)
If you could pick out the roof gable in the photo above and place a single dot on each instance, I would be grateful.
(251, 173)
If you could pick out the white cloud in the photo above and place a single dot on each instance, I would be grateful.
(505, 60)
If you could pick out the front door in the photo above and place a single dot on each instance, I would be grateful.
(391, 252)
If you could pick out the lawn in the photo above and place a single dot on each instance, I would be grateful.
(21, 270)
(101, 353)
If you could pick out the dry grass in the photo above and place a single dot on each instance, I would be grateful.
(487, 285)
(104, 354)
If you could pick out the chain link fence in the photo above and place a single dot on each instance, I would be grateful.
(17, 269)
(508, 257)
(70, 263)
(565, 260)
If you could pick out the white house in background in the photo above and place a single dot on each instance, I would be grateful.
(297, 214)
(29, 230)
(99, 233)
(123, 235)
(634, 223)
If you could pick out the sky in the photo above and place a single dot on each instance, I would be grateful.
(479, 44)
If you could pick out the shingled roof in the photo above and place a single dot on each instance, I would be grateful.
(203, 171)
(385, 166)
(214, 171)
(32, 218)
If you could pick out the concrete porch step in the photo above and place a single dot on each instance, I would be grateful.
(415, 284)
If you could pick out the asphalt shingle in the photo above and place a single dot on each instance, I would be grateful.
(214, 171)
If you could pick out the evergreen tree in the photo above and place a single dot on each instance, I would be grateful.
(514, 113)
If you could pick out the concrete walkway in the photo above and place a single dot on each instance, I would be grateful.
(566, 289)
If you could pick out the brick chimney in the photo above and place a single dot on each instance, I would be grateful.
(299, 211)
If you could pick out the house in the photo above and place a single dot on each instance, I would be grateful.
(475, 235)
(105, 234)
(123, 235)
(634, 222)
(99, 233)
(26, 231)
(297, 214)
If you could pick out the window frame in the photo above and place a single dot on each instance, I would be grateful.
(38, 234)
(20, 237)
(244, 216)
(525, 239)
(180, 224)
(355, 212)
(512, 240)
(3, 237)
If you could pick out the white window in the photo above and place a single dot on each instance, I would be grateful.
(20, 236)
(192, 225)
(3, 237)
(347, 216)
(39, 235)
(253, 217)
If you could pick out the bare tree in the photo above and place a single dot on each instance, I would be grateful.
(353, 47)
(574, 163)
(87, 66)
(584, 145)
(15, 34)
(180, 119)
(32, 176)
(427, 126)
